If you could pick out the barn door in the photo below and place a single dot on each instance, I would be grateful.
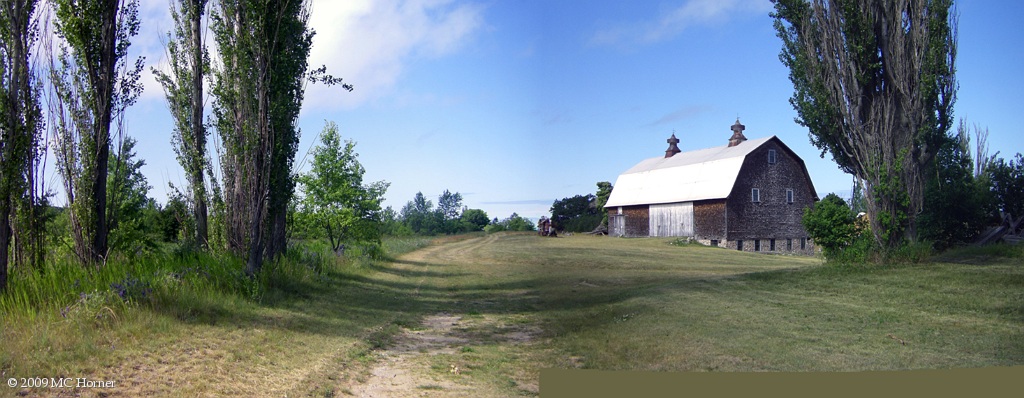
(617, 225)
(675, 219)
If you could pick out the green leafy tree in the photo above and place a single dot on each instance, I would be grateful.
(419, 215)
(183, 87)
(956, 205)
(515, 222)
(172, 219)
(575, 214)
(94, 83)
(20, 127)
(128, 190)
(1007, 179)
(874, 83)
(258, 90)
(474, 220)
(449, 208)
(831, 224)
(391, 223)
(604, 190)
(335, 197)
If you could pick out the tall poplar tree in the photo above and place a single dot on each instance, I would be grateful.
(258, 90)
(874, 83)
(183, 86)
(94, 84)
(20, 116)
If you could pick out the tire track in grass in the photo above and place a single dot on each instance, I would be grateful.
(409, 366)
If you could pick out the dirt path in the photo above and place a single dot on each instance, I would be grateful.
(427, 360)
(400, 372)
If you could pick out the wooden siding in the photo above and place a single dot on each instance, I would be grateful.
(709, 220)
(673, 219)
(772, 217)
(636, 223)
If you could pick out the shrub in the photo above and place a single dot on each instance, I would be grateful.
(831, 224)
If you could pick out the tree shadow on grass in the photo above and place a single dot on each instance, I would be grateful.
(346, 303)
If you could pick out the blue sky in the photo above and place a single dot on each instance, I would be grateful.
(518, 103)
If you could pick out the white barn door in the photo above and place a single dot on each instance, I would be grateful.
(675, 219)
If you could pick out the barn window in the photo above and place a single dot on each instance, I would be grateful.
(755, 195)
(757, 245)
(714, 243)
(789, 245)
(789, 196)
(771, 245)
(771, 156)
(803, 243)
(739, 245)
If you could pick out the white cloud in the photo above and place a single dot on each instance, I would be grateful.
(367, 43)
(674, 21)
(155, 18)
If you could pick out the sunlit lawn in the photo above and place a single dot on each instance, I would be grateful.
(594, 302)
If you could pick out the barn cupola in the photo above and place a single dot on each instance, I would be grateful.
(737, 134)
(672, 148)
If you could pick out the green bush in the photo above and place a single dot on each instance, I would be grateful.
(861, 250)
(831, 224)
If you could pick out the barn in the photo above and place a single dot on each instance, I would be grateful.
(747, 195)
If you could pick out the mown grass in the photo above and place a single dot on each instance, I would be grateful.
(312, 324)
(193, 323)
(646, 304)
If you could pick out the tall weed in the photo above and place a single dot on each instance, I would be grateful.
(865, 251)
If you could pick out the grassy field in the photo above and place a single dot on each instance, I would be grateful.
(517, 303)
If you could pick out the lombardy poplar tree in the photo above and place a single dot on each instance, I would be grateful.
(20, 117)
(93, 83)
(874, 83)
(183, 86)
(258, 90)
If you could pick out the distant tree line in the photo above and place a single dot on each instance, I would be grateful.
(514, 222)
(581, 213)
(419, 216)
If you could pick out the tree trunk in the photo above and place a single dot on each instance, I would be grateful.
(198, 131)
(278, 242)
(256, 246)
(5, 240)
(104, 86)
(18, 130)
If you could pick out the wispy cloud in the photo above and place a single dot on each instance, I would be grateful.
(674, 21)
(151, 44)
(368, 42)
(365, 42)
(683, 113)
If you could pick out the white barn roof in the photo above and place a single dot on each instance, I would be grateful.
(696, 175)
